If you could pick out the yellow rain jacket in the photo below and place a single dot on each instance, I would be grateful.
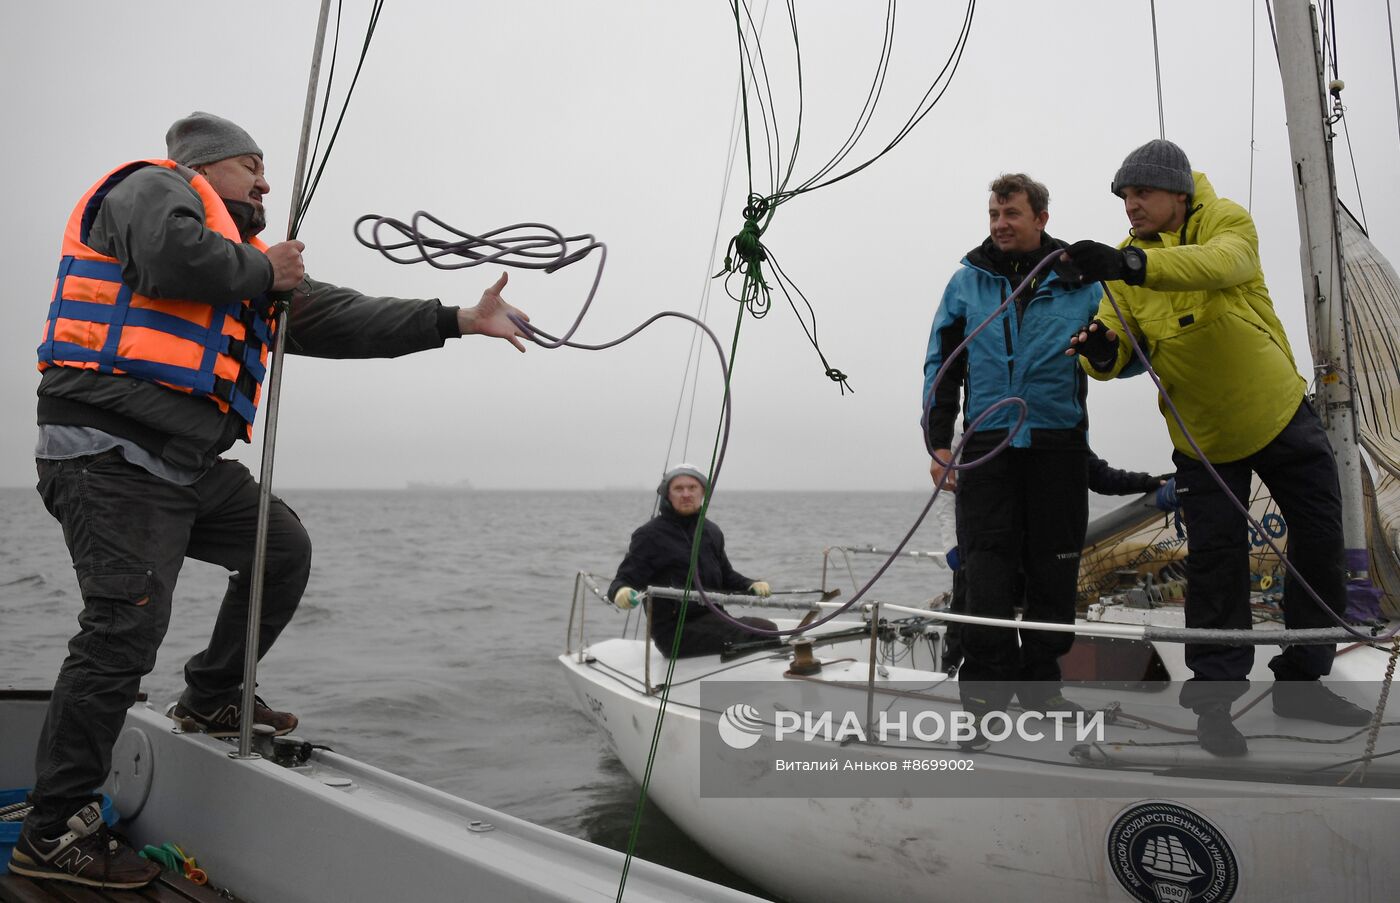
(1206, 322)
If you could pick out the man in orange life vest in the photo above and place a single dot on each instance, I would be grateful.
(152, 361)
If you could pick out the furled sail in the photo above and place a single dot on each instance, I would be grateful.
(1373, 331)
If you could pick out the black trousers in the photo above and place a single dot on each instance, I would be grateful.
(1298, 468)
(704, 634)
(128, 533)
(1021, 519)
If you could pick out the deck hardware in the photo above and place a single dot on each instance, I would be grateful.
(803, 662)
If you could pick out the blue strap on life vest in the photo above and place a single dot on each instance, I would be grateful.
(116, 316)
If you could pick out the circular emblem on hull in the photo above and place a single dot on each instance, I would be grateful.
(740, 726)
(1163, 852)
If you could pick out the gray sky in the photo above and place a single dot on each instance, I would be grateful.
(614, 118)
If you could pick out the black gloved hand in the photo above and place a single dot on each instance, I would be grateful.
(1095, 344)
(1098, 262)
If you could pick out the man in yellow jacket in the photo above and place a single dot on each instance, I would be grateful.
(1191, 291)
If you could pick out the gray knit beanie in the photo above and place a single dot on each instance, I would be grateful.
(1157, 164)
(206, 138)
(682, 470)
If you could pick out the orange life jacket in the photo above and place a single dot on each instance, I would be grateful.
(97, 322)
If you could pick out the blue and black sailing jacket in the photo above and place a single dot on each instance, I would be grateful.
(1021, 353)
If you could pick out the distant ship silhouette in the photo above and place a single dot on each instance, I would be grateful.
(456, 486)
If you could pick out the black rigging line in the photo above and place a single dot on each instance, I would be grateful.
(768, 111)
(330, 85)
(872, 98)
(304, 202)
(949, 69)
(784, 283)
(801, 105)
(747, 253)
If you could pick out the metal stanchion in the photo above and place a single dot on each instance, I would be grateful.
(255, 591)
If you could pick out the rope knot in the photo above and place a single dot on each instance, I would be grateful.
(749, 243)
(746, 253)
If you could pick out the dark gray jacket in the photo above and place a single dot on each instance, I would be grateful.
(153, 224)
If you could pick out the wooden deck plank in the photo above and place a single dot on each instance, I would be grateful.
(14, 889)
(169, 889)
(77, 893)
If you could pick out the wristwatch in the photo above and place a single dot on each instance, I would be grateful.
(1134, 265)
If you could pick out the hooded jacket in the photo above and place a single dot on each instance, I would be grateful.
(659, 555)
(153, 223)
(1020, 354)
(1205, 319)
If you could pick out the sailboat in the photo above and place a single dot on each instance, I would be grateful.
(762, 753)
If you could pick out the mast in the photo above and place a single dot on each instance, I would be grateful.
(1314, 180)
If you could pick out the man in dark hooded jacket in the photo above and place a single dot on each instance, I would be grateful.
(659, 555)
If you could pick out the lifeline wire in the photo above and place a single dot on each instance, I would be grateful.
(955, 465)
(1220, 481)
(1253, 83)
(1157, 63)
(1394, 74)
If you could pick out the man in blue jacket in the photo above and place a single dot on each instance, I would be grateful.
(1021, 512)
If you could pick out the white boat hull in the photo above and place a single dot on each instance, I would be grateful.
(1287, 842)
(337, 829)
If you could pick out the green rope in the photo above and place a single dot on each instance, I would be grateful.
(636, 829)
(746, 256)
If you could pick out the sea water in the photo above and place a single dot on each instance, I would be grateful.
(427, 638)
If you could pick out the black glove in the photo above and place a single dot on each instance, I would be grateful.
(1098, 348)
(1098, 262)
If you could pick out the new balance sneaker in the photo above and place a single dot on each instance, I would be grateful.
(1310, 700)
(85, 854)
(223, 721)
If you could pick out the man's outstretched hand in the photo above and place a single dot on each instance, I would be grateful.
(492, 316)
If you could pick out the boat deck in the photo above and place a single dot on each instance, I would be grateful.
(169, 889)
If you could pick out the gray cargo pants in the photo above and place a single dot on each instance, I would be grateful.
(129, 533)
